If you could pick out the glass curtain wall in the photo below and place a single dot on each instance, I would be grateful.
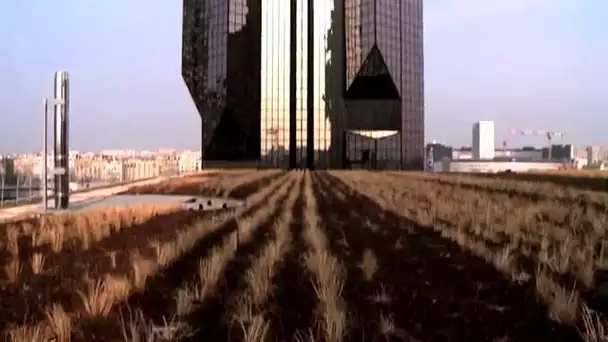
(323, 10)
(250, 96)
(322, 24)
(275, 42)
(395, 26)
(301, 80)
(275, 81)
(215, 20)
(387, 148)
(412, 83)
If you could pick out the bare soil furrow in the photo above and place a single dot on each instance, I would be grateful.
(243, 191)
(210, 317)
(346, 238)
(294, 301)
(252, 304)
(327, 275)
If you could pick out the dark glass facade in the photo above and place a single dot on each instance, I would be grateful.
(311, 83)
(384, 82)
(221, 68)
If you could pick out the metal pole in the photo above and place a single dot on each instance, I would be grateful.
(45, 203)
(293, 116)
(375, 154)
(310, 73)
(17, 193)
(61, 171)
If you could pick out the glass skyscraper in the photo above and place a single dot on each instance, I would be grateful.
(307, 83)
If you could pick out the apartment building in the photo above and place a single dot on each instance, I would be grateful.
(189, 161)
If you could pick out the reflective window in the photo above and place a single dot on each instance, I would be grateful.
(224, 85)
(323, 11)
(236, 60)
(395, 28)
(301, 79)
(274, 83)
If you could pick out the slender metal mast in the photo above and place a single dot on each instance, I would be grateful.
(44, 158)
(61, 171)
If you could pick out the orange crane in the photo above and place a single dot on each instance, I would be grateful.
(539, 132)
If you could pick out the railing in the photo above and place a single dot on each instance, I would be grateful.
(34, 197)
(30, 191)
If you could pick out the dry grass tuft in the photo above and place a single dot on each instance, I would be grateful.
(37, 263)
(382, 296)
(103, 294)
(368, 264)
(387, 325)
(563, 304)
(328, 273)
(595, 328)
(249, 309)
(185, 298)
(142, 269)
(59, 323)
(256, 329)
(28, 333)
(13, 270)
(136, 327)
(210, 269)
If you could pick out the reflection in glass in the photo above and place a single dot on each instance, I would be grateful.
(223, 84)
(275, 82)
(394, 29)
(301, 80)
(322, 125)
(236, 65)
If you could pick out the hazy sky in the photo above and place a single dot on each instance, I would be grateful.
(527, 64)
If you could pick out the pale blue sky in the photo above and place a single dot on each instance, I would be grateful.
(527, 64)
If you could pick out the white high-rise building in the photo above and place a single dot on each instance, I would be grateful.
(593, 155)
(483, 140)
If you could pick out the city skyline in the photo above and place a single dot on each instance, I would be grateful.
(538, 74)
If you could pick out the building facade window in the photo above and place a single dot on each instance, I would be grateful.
(361, 92)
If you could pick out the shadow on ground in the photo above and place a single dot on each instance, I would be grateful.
(294, 301)
(175, 187)
(439, 291)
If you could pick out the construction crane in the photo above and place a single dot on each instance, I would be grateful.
(538, 132)
(274, 133)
